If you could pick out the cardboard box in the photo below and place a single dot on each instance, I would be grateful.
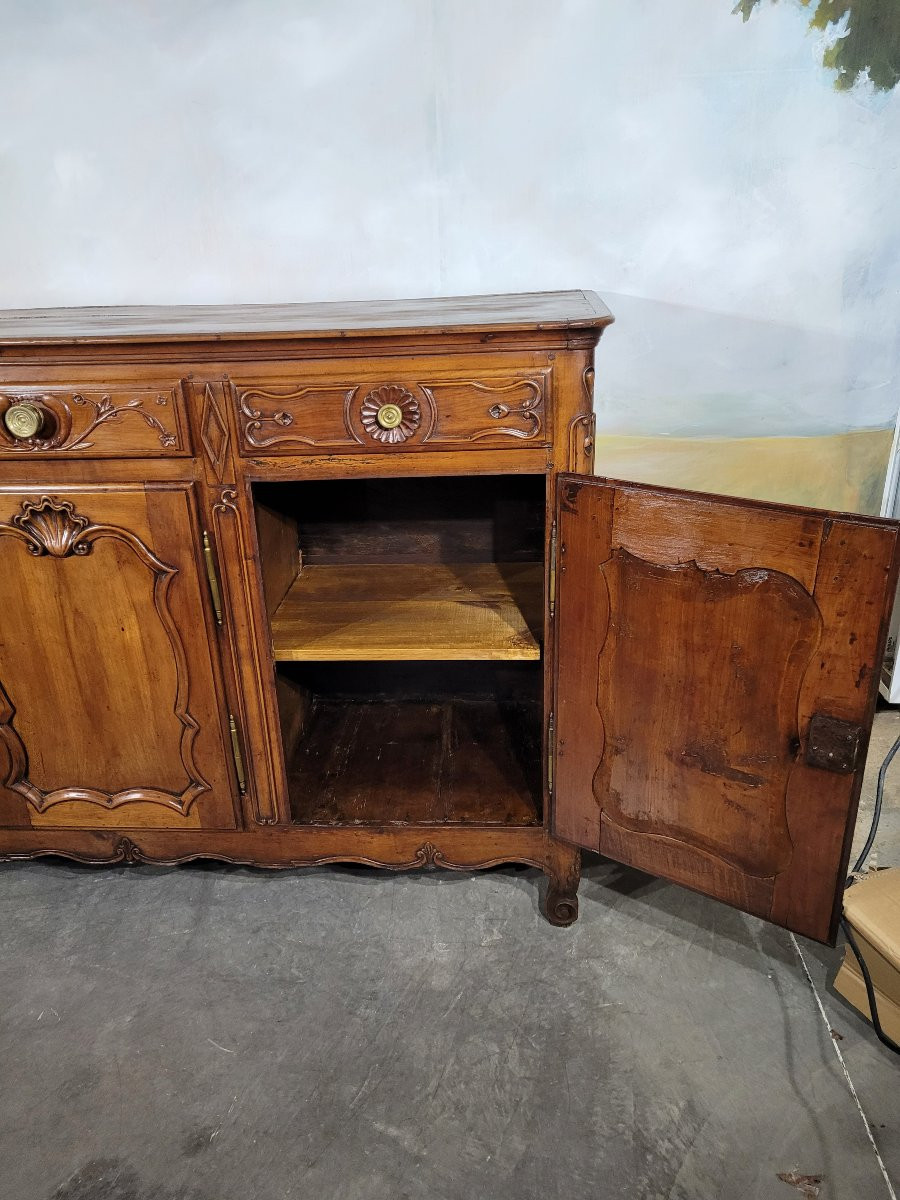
(872, 907)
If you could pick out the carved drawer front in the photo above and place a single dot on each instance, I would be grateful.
(102, 415)
(396, 405)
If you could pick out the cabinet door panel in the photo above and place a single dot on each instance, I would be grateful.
(109, 706)
(716, 678)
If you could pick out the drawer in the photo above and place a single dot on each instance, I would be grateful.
(396, 406)
(91, 417)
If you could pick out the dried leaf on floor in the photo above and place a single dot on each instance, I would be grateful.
(807, 1185)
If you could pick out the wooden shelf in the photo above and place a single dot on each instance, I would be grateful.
(411, 611)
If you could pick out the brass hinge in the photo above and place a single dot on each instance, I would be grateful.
(213, 578)
(236, 752)
(552, 585)
(551, 739)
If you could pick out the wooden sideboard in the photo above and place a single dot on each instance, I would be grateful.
(306, 584)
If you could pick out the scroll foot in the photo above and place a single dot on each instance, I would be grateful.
(563, 871)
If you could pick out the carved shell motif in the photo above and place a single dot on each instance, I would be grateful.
(52, 527)
(390, 414)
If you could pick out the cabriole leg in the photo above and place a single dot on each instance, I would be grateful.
(563, 871)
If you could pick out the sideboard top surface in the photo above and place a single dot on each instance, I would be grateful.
(258, 322)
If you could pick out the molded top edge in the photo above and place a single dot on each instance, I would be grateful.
(215, 322)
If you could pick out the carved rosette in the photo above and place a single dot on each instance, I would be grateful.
(390, 414)
(52, 527)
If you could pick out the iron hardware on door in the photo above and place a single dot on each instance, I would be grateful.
(833, 744)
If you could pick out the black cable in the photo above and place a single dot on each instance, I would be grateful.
(876, 814)
(845, 924)
(870, 990)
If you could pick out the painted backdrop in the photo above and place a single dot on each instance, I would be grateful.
(727, 177)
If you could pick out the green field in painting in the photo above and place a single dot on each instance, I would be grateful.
(843, 471)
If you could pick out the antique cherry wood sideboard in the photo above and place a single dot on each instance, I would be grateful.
(307, 584)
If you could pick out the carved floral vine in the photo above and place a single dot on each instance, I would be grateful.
(105, 410)
(101, 411)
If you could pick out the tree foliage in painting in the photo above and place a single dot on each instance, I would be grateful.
(871, 42)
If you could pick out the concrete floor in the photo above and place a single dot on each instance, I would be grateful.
(208, 1033)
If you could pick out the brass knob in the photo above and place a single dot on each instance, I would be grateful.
(389, 416)
(23, 420)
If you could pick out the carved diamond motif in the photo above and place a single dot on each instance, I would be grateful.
(213, 433)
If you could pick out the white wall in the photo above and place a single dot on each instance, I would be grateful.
(739, 214)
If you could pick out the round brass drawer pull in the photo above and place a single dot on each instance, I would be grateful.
(23, 420)
(389, 416)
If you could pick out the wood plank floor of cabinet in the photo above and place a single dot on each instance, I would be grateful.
(390, 762)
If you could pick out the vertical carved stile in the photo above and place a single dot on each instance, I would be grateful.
(581, 429)
(227, 522)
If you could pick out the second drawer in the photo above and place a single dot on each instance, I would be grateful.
(394, 406)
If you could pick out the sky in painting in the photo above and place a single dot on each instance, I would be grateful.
(704, 173)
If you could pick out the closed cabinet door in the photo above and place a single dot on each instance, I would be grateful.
(716, 676)
(111, 712)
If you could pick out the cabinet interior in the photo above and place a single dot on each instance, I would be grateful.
(406, 618)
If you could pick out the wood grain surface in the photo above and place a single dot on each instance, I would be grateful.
(411, 611)
(111, 702)
(697, 639)
(396, 762)
(166, 323)
(171, 429)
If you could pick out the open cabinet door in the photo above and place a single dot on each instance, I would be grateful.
(717, 665)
